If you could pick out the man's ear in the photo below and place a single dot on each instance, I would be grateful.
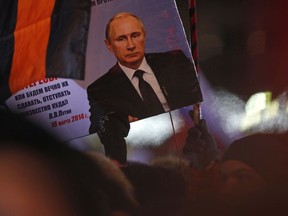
(108, 45)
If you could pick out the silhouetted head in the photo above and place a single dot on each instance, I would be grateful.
(254, 162)
(41, 176)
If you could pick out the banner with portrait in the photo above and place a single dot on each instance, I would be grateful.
(62, 105)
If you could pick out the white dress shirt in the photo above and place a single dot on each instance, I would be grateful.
(149, 77)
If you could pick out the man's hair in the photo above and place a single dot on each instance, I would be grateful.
(119, 15)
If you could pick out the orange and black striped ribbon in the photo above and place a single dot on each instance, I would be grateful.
(31, 36)
(36, 38)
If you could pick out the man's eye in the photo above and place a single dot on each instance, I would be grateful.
(135, 35)
(120, 39)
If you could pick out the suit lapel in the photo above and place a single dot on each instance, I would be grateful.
(125, 85)
(158, 67)
(125, 91)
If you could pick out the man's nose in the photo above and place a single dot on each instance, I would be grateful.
(130, 44)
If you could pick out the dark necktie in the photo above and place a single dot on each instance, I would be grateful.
(149, 97)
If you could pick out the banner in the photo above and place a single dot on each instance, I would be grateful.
(62, 105)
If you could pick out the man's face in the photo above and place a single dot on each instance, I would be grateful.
(127, 41)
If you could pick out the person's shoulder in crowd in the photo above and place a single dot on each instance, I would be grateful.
(159, 190)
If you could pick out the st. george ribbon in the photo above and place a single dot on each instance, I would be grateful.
(196, 115)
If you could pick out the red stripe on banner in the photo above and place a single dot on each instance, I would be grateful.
(196, 115)
(194, 47)
(31, 40)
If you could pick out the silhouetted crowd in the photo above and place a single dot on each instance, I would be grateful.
(40, 176)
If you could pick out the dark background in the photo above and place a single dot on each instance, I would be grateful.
(243, 44)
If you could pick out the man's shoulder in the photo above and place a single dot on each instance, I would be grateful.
(166, 59)
(105, 79)
(172, 55)
(167, 53)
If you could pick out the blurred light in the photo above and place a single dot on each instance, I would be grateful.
(254, 107)
(257, 102)
(266, 115)
(229, 117)
(271, 111)
(155, 130)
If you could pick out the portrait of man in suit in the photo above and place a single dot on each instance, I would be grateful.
(138, 86)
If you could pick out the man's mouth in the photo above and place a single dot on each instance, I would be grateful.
(132, 55)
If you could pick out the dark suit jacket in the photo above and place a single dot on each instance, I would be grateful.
(113, 92)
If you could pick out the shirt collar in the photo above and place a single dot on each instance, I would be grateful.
(130, 72)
